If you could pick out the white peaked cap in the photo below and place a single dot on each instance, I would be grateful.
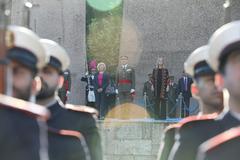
(221, 39)
(26, 39)
(56, 51)
(198, 55)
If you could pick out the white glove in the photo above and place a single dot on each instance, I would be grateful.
(132, 91)
(68, 92)
(116, 91)
(86, 73)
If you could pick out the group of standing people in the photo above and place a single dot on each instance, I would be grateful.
(102, 89)
(162, 92)
(96, 88)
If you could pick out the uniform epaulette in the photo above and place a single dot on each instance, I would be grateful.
(24, 106)
(64, 132)
(172, 126)
(220, 139)
(81, 108)
(198, 118)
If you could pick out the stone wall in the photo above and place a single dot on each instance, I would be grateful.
(131, 140)
(168, 28)
(151, 28)
(234, 10)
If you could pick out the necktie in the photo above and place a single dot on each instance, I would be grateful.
(185, 83)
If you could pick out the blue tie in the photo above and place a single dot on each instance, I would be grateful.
(185, 83)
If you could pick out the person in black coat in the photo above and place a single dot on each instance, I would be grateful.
(89, 78)
(160, 83)
(101, 81)
(184, 88)
(65, 120)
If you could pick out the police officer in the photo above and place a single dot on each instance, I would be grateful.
(224, 57)
(63, 118)
(20, 130)
(125, 80)
(195, 129)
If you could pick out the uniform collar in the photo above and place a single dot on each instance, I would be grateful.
(125, 66)
(52, 102)
(55, 107)
(235, 115)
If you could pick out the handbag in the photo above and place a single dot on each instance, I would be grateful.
(111, 89)
(91, 96)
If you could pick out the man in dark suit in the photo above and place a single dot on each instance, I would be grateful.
(20, 131)
(73, 120)
(224, 57)
(184, 88)
(125, 80)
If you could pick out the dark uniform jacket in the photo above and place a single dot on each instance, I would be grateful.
(83, 122)
(194, 131)
(19, 131)
(192, 134)
(227, 141)
(64, 146)
(19, 136)
(227, 121)
(125, 79)
(224, 146)
(168, 141)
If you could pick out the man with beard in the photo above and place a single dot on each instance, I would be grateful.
(77, 120)
(224, 57)
(21, 133)
(194, 130)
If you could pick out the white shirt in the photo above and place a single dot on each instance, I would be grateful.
(124, 66)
